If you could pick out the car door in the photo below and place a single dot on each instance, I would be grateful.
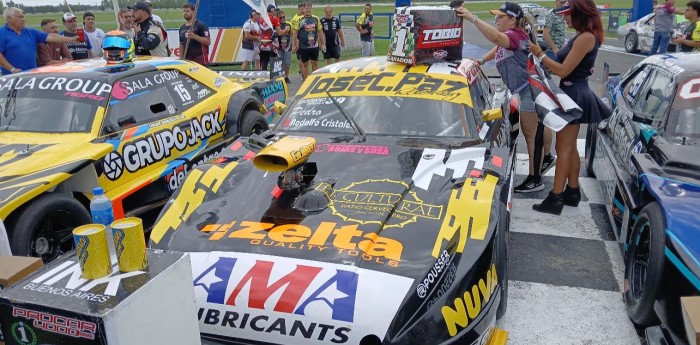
(154, 119)
(646, 33)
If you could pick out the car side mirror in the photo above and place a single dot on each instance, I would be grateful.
(492, 114)
(126, 121)
(280, 107)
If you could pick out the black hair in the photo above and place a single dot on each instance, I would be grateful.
(456, 3)
(695, 5)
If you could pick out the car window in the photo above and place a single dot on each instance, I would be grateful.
(634, 84)
(141, 99)
(186, 91)
(655, 99)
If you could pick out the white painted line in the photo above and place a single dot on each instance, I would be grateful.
(618, 263)
(574, 222)
(546, 314)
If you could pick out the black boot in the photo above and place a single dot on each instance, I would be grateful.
(572, 196)
(553, 204)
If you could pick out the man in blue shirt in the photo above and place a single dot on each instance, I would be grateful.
(18, 44)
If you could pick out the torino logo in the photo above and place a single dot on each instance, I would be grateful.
(439, 37)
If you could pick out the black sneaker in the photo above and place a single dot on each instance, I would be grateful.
(547, 163)
(286, 80)
(531, 184)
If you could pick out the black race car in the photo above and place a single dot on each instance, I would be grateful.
(377, 212)
(647, 161)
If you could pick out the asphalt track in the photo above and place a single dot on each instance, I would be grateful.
(565, 271)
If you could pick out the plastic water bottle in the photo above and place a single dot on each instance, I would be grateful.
(102, 213)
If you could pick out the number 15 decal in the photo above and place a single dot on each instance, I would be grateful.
(182, 92)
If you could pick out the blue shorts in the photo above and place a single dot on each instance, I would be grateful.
(527, 104)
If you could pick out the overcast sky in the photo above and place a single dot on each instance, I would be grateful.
(53, 2)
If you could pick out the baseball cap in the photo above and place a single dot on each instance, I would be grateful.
(271, 7)
(140, 6)
(509, 8)
(88, 14)
(68, 16)
(252, 12)
(564, 9)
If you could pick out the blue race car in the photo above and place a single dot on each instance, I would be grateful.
(647, 161)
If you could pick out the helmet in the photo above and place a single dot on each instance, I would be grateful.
(118, 47)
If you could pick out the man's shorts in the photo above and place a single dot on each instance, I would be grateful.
(249, 55)
(332, 53)
(308, 54)
(367, 48)
(286, 57)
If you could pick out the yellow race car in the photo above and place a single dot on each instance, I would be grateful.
(134, 129)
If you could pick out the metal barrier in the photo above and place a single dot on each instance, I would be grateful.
(379, 22)
(615, 17)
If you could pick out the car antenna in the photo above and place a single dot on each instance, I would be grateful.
(348, 117)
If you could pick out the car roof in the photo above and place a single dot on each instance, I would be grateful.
(99, 69)
(678, 63)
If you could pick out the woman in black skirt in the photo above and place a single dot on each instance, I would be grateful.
(578, 59)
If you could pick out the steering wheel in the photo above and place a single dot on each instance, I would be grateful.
(421, 127)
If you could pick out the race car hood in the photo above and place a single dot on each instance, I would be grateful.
(417, 212)
(386, 198)
(30, 164)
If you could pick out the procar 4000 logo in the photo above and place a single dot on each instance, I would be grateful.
(292, 301)
(160, 145)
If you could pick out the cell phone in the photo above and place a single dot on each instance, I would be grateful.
(456, 3)
(81, 35)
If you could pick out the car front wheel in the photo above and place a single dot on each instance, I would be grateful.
(45, 227)
(644, 265)
(252, 122)
(631, 43)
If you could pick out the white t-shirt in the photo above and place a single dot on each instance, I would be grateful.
(254, 29)
(96, 38)
(157, 19)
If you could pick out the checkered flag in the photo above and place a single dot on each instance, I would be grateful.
(554, 108)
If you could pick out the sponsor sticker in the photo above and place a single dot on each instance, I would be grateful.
(434, 274)
(467, 307)
(292, 301)
(52, 323)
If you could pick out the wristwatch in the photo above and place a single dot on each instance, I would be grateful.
(474, 18)
(14, 69)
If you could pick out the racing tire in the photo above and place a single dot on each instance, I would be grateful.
(502, 263)
(252, 122)
(632, 43)
(45, 227)
(644, 266)
(591, 140)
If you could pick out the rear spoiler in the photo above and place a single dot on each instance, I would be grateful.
(276, 71)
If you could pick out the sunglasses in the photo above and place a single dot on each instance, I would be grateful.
(281, 17)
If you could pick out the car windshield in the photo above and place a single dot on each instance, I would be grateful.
(49, 104)
(380, 115)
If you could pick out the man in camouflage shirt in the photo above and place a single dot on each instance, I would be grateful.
(554, 29)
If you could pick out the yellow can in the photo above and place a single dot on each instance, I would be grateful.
(91, 249)
(130, 244)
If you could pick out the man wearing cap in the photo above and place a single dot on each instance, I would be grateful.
(151, 37)
(51, 53)
(198, 35)
(250, 45)
(18, 44)
(94, 34)
(156, 17)
(79, 50)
